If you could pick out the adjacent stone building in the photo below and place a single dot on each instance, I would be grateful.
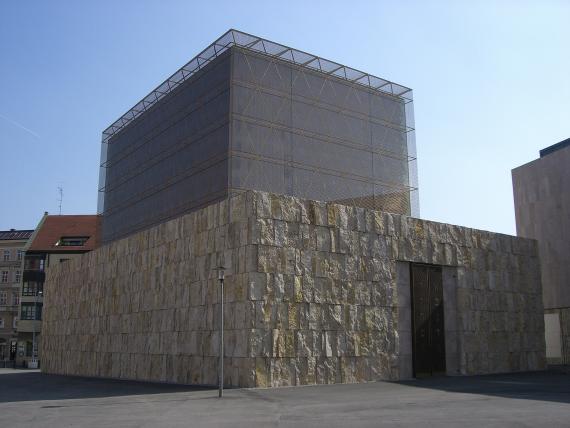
(542, 209)
(315, 293)
(56, 239)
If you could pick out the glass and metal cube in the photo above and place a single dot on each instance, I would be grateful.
(250, 114)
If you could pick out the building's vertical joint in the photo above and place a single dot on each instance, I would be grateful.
(288, 170)
(375, 198)
(411, 152)
(102, 177)
(230, 124)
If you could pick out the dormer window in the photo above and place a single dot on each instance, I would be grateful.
(72, 241)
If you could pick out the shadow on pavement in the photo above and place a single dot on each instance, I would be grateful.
(35, 386)
(542, 386)
(548, 386)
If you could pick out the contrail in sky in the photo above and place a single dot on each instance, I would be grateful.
(19, 125)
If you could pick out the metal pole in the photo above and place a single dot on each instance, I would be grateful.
(34, 347)
(34, 326)
(221, 363)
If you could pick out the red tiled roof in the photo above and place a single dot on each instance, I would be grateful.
(54, 227)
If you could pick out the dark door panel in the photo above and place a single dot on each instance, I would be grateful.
(427, 320)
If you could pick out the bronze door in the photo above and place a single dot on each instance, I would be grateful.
(427, 320)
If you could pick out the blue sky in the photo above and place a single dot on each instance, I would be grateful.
(491, 85)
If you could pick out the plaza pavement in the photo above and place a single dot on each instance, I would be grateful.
(32, 399)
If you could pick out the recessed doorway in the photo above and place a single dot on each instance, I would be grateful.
(428, 330)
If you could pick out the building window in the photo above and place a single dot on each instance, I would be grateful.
(72, 241)
(3, 298)
(15, 299)
(34, 262)
(31, 288)
(15, 323)
(4, 276)
(31, 311)
(31, 263)
(6, 255)
(1, 322)
(18, 276)
(20, 254)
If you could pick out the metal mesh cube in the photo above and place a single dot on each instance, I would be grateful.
(250, 114)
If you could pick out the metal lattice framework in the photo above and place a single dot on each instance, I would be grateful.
(258, 44)
(323, 120)
(250, 114)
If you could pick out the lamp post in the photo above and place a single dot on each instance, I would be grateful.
(221, 362)
(34, 352)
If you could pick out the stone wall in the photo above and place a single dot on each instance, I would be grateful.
(542, 207)
(145, 307)
(315, 293)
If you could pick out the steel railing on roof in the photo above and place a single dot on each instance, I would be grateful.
(258, 44)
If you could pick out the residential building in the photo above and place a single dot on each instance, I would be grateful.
(542, 208)
(12, 244)
(297, 175)
(57, 238)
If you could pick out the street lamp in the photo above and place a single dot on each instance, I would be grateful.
(34, 349)
(221, 362)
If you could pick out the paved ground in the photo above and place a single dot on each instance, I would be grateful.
(31, 399)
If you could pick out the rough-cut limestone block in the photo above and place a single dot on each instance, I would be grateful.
(316, 213)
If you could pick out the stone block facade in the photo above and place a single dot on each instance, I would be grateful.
(315, 293)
